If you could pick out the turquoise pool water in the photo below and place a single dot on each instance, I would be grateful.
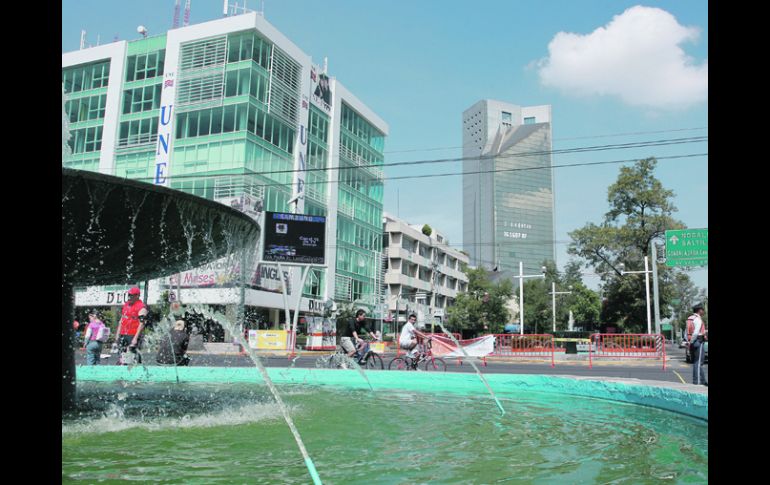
(429, 429)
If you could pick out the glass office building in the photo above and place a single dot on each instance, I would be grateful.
(508, 203)
(232, 110)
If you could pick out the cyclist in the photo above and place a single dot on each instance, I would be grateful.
(351, 336)
(408, 338)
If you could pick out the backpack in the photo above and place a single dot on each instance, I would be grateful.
(691, 329)
(103, 334)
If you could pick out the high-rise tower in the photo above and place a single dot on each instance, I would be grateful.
(508, 202)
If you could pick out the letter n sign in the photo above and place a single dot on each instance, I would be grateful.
(165, 127)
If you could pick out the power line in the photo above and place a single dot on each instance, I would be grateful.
(621, 146)
(452, 174)
(588, 137)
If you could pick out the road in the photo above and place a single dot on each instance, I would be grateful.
(677, 370)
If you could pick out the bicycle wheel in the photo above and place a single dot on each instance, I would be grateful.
(433, 364)
(374, 361)
(399, 363)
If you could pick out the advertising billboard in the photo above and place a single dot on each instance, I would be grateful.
(294, 238)
(321, 88)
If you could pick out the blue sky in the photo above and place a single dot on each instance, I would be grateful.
(607, 69)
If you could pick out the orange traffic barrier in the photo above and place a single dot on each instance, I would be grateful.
(627, 345)
(526, 345)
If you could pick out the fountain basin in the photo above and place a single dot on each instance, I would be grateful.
(505, 385)
(221, 425)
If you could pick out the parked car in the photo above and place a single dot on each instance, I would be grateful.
(688, 356)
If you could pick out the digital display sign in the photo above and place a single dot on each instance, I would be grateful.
(294, 238)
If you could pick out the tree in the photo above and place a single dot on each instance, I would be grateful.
(585, 305)
(640, 212)
(482, 307)
(427, 230)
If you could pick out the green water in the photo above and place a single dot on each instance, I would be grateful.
(213, 433)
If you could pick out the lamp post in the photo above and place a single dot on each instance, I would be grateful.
(554, 293)
(521, 291)
(646, 287)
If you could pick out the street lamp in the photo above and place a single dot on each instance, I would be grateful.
(521, 290)
(554, 293)
(646, 272)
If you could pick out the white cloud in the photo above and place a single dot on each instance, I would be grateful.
(635, 57)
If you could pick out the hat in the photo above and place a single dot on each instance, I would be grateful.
(134, 291)
(698, 306)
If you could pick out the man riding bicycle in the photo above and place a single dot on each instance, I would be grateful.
(350, 336)
(408, 338)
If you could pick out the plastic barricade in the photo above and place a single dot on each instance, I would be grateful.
(421, 340)
(627, 346)
(527, 345)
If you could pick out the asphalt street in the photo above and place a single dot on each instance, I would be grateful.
(676, 371)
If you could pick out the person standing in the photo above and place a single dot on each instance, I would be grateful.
(698, 335)
(129, 333)
(93, 340)
(173, 347)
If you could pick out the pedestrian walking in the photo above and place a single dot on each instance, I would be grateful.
(96, 334)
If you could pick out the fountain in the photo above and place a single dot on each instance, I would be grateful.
(222, 425)
(120, 231)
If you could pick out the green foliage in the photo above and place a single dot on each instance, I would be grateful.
(538, 300)
(482, 309)
(110, 318)
(346, 311)
(427, 230)
(640, 211)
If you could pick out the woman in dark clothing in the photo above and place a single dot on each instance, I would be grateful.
(173, 347)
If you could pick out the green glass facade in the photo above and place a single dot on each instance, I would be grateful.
(236, 122)
(86, 88)
(359, 222)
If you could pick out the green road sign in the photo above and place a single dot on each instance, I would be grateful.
(687, 247)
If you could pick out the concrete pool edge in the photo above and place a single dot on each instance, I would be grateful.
(679, 398)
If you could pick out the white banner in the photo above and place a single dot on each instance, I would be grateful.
(477, 347)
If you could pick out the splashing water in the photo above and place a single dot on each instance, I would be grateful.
(255, 358)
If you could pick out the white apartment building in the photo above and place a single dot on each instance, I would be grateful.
(422, 274)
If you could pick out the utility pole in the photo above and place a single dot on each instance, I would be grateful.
(521, 291)
(655, 297)
(554, 293)
(646, 288)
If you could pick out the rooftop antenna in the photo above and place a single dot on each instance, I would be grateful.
(97, 39)
(224, 9)
(142, 30)
(82, 39)
(187, 13)
(326, 65)
(175, 23)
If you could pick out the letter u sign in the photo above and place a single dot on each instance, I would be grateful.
(163, 120)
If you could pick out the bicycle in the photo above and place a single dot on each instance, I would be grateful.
(424, 360)
(341, 360)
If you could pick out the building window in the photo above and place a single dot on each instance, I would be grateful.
(145, 66)
(141, 99)
(507, 118)
(529, 120)
(85, 77)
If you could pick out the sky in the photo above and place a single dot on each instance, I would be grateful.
(614, 72)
